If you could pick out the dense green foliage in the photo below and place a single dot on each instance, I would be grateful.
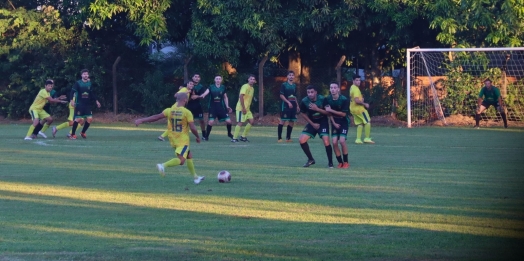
(43, 39)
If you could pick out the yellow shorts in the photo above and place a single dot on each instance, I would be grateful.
(71, 114)
(362, 118)
(181, 150)
(38, 114)
(244, 117)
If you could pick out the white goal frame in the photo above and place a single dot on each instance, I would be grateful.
(410, 54)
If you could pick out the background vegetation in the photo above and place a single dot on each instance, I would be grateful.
(43, 39)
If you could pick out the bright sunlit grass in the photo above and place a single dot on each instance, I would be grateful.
(416, 194)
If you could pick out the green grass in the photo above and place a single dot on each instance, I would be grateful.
(418, 194)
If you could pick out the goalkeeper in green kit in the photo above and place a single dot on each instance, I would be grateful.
(489, 96)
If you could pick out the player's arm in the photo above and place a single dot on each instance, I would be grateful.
(314, 107)
(73, 94)
(226, 102)
(94, 97)
(360, 100)
(304, 115)
(152, 118)
(203, 95)
(241, 98)
(194, 131)
(481, 97)
(55, 100)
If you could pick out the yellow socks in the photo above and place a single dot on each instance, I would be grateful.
(367, 129)
(237, 131)
(359, 132)
(62, 126)
(191, 167)
(30, 131)
(246, 130)
(172, 163)
(46, 126)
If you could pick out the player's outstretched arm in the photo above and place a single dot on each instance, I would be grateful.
(152, 118)
(56, 100)
(194, 131)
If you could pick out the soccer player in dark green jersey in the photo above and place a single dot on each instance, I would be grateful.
(489, 96)
(199, 92)
(338, 106)
(289, 107)
(313, 111)
(82, 96)
(218, 106)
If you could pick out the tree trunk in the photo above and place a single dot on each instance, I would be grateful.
(295, 66)
(338, 68)
(115, 93)
(186, 73)
(261, 87)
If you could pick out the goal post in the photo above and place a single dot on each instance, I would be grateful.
(445, 82)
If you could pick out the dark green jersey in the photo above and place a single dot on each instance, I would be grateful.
(289, 91)
(341, 104)
(314, 116)
(198, 89)
(490, 95)
(216, 95)
(83, 94)
(53, 94)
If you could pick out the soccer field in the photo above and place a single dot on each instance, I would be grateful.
(417, 194)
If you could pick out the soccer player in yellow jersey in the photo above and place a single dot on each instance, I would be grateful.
(187, 89)
(179, 122)
(37, 109)
(243, 109)
(358, 108)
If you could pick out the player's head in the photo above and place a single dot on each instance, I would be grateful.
(290, 76)
(181, 98)
(218, 79)
(487, 83)
(84, 73)
(190, 85)
(356, 80)
(251, 79)
(311, 91)
(49, 85)
(334, 89)
(196, 78)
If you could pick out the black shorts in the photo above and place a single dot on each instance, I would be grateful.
(83, 112)
(488, 103)
(219, 113)
(289, 114)
(322, 131)
(343, 130)
(198, 113)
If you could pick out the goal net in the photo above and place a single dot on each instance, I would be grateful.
(443, 84)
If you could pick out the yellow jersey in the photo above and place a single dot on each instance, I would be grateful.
(40, 100)
(248, 92)
(354, 108)
(178, 119)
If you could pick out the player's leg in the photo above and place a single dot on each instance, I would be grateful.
(78, 119)
(46, 122)
(87, 123)
(191, 167)
(359, 122)
(250, 121)
(367, 128)
(334, 140)
(342, 140)
(163, 136)
(203, 128)
(210, 122)
(228, 126)
(480, 109)
(292, 117)
(240, 119)
(69, 122)
(36, 121)
(324, 135)
(307, 133)
(180, 153)
(283, 119)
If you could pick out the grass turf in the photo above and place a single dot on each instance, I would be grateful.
(417, 194)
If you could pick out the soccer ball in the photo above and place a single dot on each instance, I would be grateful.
(224, 176)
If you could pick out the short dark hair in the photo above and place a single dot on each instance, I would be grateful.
(189, 82)
(290, 72)
(334, 82)
(311, 87)
(487, 80)
(195, 74)
(49, 81)
(84, 71)
(251, 75)
(356, 76)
